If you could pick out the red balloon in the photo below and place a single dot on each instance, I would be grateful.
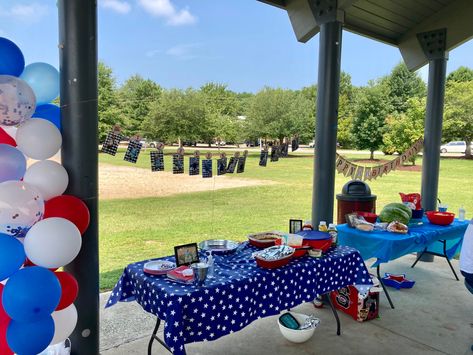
(5, 138)
(68, 207)
(4, 321)
(70, 289)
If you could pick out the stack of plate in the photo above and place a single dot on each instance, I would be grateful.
(158, 267)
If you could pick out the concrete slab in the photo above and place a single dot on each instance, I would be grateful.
(434, 317)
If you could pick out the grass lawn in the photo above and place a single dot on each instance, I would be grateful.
(137, 229)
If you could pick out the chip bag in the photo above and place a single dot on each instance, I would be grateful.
(413, 198)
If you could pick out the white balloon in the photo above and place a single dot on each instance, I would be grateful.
(65, 322)
(21, 206)
(38, 139)
(49, 177)
(53, 242)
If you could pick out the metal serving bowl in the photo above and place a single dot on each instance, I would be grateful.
(219, 246)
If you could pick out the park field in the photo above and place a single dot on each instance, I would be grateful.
(134, 229)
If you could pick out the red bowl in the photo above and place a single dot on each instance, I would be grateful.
(368, 216)
(300, 251)
(322, 244)
(262, 243)
(273, 264)
(440, 218)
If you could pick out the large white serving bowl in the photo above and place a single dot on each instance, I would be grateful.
(296, 335)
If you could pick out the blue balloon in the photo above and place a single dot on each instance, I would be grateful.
(12, 61)
(12, 163)
(31, 294)
(30, 338)
(12, 256)
(44, 80)
(49, 112)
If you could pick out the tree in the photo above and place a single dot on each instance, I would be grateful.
(137, 96)
(461, 75)
(372, 107)
(221, 107)
(458, 117)
(345, 111)
(402, 84)
(278, 113)
(403, 129)
(178, 115)
(109, 110)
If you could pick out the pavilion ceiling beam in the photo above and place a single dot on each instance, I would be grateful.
(455, 17)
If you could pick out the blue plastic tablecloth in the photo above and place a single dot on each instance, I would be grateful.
(386, 246)
(240, 292)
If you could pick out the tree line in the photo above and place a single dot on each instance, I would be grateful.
(387, 113)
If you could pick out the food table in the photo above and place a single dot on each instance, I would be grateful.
(424, 237)
(239, 293)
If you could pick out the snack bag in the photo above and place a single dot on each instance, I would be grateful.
(413, 198)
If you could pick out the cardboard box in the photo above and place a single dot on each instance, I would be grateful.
(347, 300)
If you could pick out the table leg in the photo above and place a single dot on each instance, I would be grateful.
(334, 310)
(384, 287)
(444, 255)
(448, 260)
(155, 337)
(419, 257)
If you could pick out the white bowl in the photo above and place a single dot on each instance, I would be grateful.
(296, 335)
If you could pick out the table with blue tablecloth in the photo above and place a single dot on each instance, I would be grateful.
(239, 293)
(423, 237)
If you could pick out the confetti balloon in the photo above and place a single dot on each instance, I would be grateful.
(17, 101)
(21, 206)
(49, 177)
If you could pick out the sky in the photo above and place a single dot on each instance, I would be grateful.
(186, 43)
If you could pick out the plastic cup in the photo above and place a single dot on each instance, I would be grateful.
(443, 208)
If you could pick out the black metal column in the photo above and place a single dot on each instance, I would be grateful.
(326, 121)
(433, 133)
(433, 45)
(78, 66)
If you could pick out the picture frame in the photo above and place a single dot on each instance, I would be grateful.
(186, 254)
(295, 226)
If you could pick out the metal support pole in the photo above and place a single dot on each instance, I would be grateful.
(326, 121)
(78, 62)
(433, 45)
(433, 133)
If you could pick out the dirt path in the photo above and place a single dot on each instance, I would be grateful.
(117, 182)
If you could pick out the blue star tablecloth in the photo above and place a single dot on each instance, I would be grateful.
(239, 293)
(386, 246)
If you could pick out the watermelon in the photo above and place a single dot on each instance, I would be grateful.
(396, 212)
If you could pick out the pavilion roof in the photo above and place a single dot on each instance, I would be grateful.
(395, 22)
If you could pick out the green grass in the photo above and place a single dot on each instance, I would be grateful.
(137, 229)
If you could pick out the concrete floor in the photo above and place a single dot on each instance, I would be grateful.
(434, 317)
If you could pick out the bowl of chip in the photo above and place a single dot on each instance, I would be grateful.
(307, 325)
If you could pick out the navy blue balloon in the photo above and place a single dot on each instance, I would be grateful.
(30, 338)
(49, 112)
(12, 61)
(12, 256)
(31, 294)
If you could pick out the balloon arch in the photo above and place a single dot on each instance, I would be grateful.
(40, 227)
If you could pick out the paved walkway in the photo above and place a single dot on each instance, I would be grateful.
(434, 317)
